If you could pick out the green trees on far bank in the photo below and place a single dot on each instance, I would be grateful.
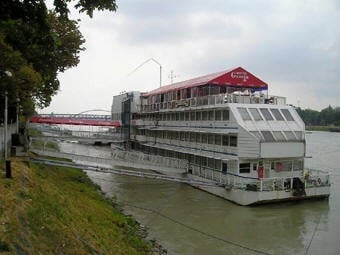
(326, 117)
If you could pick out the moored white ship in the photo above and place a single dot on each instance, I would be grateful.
(223, 131)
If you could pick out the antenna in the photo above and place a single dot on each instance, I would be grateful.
(171, 76)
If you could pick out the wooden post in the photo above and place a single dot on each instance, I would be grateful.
(8, 169)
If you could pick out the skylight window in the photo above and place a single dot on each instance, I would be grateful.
(244, 113)
(268, 137)
(265, 112)
(290, 135)
(277, 114)
(255, 113)
(287, 114)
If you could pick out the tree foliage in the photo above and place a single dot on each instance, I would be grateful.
(326, 117)
(36, 44)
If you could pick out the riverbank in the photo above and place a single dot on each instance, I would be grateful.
(323, 128)
(55, 210)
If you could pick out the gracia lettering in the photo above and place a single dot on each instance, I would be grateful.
(240, 75)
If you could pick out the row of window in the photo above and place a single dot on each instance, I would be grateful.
(217, 139)
(265, 114)
(188, 115)
(272, 136)
(193, 159)
(218, 165)
(278, 166)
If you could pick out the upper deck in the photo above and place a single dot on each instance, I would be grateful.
(231, 86)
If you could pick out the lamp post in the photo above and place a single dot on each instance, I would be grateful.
(5, 124)
(9, 74)
(146, 61)
(17, 119)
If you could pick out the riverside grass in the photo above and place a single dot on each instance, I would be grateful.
(57, 210)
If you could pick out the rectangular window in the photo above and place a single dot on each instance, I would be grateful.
(204, 115)
(198, 137)
(181, 115)
(254, 166)
(211, 139)
(255, 113)
(192, 116)
(187, 116)
(198, 115)
(187, 136)
(233, 141)
(290, 135)
(268, 137)
(225, 140)
(244, 168)
(286, 166)
(217, 115)
(192, 137)
(211, 163)
(224, 168)
(211, 115)
(225, 114)
(182, 134)
(203, 161)
(204, 138)
(278, 136)
(218, 139)
(297, 165)
(287, 114)
(173, 116)
(244, 113)
(277, 114)
(265, 112)
(299, 135)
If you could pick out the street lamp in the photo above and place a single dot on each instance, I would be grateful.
(9, 74)
(17, 110)
(146, 61)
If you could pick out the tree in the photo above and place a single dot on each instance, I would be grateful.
(327, 116)
(37, 44)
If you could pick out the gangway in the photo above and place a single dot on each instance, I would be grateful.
(127, 172)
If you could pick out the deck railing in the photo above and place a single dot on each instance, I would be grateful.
(310, 178)
(214, 100)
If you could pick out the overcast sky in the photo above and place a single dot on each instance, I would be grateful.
(292, 45)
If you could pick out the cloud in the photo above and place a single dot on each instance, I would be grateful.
(293, 45)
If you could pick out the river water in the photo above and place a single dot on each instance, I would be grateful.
(185, 220)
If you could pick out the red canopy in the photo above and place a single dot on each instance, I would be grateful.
(237, 77)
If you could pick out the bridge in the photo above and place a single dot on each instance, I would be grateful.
(50, 127)
(81, 119)
(75, 119)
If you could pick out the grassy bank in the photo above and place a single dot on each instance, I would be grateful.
(323, 128)
(54, 210)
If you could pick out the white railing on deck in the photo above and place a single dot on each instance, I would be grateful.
(215, 100)
(317, 178)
